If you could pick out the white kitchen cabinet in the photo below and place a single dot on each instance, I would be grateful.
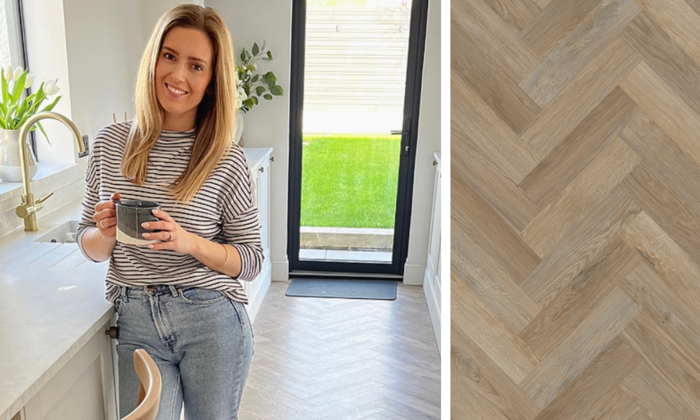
(259, 160)
(82, 389)
(431, 281)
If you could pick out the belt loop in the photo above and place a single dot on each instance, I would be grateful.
(173, 290)
(148, 289)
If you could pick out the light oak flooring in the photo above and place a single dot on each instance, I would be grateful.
(343, 359)
(575, 201)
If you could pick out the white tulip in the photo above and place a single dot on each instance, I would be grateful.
(18, 73)
(7, 72)
(239, 103)
(28, 82)
(50, 88)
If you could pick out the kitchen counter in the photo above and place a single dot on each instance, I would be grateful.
(52, 301)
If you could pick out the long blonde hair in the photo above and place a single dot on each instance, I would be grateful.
(215, 114)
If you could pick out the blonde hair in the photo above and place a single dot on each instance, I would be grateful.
(215, 114)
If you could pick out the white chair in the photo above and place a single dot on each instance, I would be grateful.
(149, 391)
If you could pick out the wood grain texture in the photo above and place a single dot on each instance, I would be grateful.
(585, 191)
(476, 370)
(557, 19)
(580, 246)
(587, 397)
(516, 13)
(575, 201)
(665, 57)
(490, 133)
(485, 277)
(665, 107)
(579, 148)
(578, 299)
(480, 323)
(476, 218)
(494, 37)
(501, 192)
(580, 97)
(495, 87)
(580, 347)
(580, 46)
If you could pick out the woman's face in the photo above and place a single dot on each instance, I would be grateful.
(183, 72)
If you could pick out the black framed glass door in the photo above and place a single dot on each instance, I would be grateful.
(355, 96)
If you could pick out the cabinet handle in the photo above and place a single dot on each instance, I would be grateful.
(272, 158)
(434, 162)
(262, 169)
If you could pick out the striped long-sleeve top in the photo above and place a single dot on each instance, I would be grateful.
(223, 211)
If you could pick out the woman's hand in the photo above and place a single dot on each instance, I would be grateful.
(106, 217)
(173, 236)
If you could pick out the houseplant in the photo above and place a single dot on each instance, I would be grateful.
(14, 111)
(253, 85)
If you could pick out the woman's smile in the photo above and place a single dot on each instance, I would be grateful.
(175, 92)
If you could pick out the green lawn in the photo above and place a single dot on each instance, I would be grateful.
(349, 180)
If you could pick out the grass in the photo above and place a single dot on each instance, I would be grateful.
(349, 180)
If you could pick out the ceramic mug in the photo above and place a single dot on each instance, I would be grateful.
(130, 215)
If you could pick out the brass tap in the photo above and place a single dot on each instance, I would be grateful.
(29, 207)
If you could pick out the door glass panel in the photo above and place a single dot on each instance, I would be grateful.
(354, 86)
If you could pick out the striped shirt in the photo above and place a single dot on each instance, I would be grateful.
(223, 211)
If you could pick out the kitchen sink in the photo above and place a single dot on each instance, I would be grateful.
(63, 233)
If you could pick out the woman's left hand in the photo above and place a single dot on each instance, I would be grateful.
(173, 236)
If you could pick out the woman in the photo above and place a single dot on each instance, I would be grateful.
(180, 299)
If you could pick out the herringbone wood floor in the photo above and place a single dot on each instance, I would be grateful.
(343, 359)
(575, 209)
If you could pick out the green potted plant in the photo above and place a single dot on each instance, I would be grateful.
(253, 85)
(14, 111)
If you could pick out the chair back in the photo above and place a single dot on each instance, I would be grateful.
(149, 391)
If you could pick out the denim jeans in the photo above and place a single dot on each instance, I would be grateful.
(201, 341)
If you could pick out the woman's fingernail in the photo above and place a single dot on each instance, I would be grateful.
(151, 246)
(146, 235)
(144, 225)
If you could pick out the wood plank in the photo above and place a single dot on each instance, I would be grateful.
(678, 20)
(584, 192)
(680, 374)
(666, 308)
(665, 107)
(517, 13)
(494, 37)
(579, 148)
(580, 297)
(490, 333)
(475, 369)
(664, 206)
(665, 58)
(466, 402)
(617, 406)
(641, 415)
(583, 345)
(580, 246)
(555, 21)
(580, 46)
(490, 81)
(473, 117)
(645, 387)
(477, 168)
(668, 260)
(585, 397)
(485, 277)
(580, 97)
(474, 216)
(667, 160)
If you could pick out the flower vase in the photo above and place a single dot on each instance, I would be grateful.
(10, 166)
(238, 128)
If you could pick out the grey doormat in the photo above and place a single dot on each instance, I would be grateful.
(344, 289)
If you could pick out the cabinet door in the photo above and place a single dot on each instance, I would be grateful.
(434, 247)
(263, 194)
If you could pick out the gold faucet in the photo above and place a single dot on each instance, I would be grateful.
(28, 209)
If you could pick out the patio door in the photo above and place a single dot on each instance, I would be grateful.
(355, 97)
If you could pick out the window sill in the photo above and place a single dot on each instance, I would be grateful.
(47, 173)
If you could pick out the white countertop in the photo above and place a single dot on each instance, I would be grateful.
(52, 300)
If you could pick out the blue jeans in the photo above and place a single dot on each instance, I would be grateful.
(201, 341)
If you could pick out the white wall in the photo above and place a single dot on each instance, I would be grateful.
(268, 124)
